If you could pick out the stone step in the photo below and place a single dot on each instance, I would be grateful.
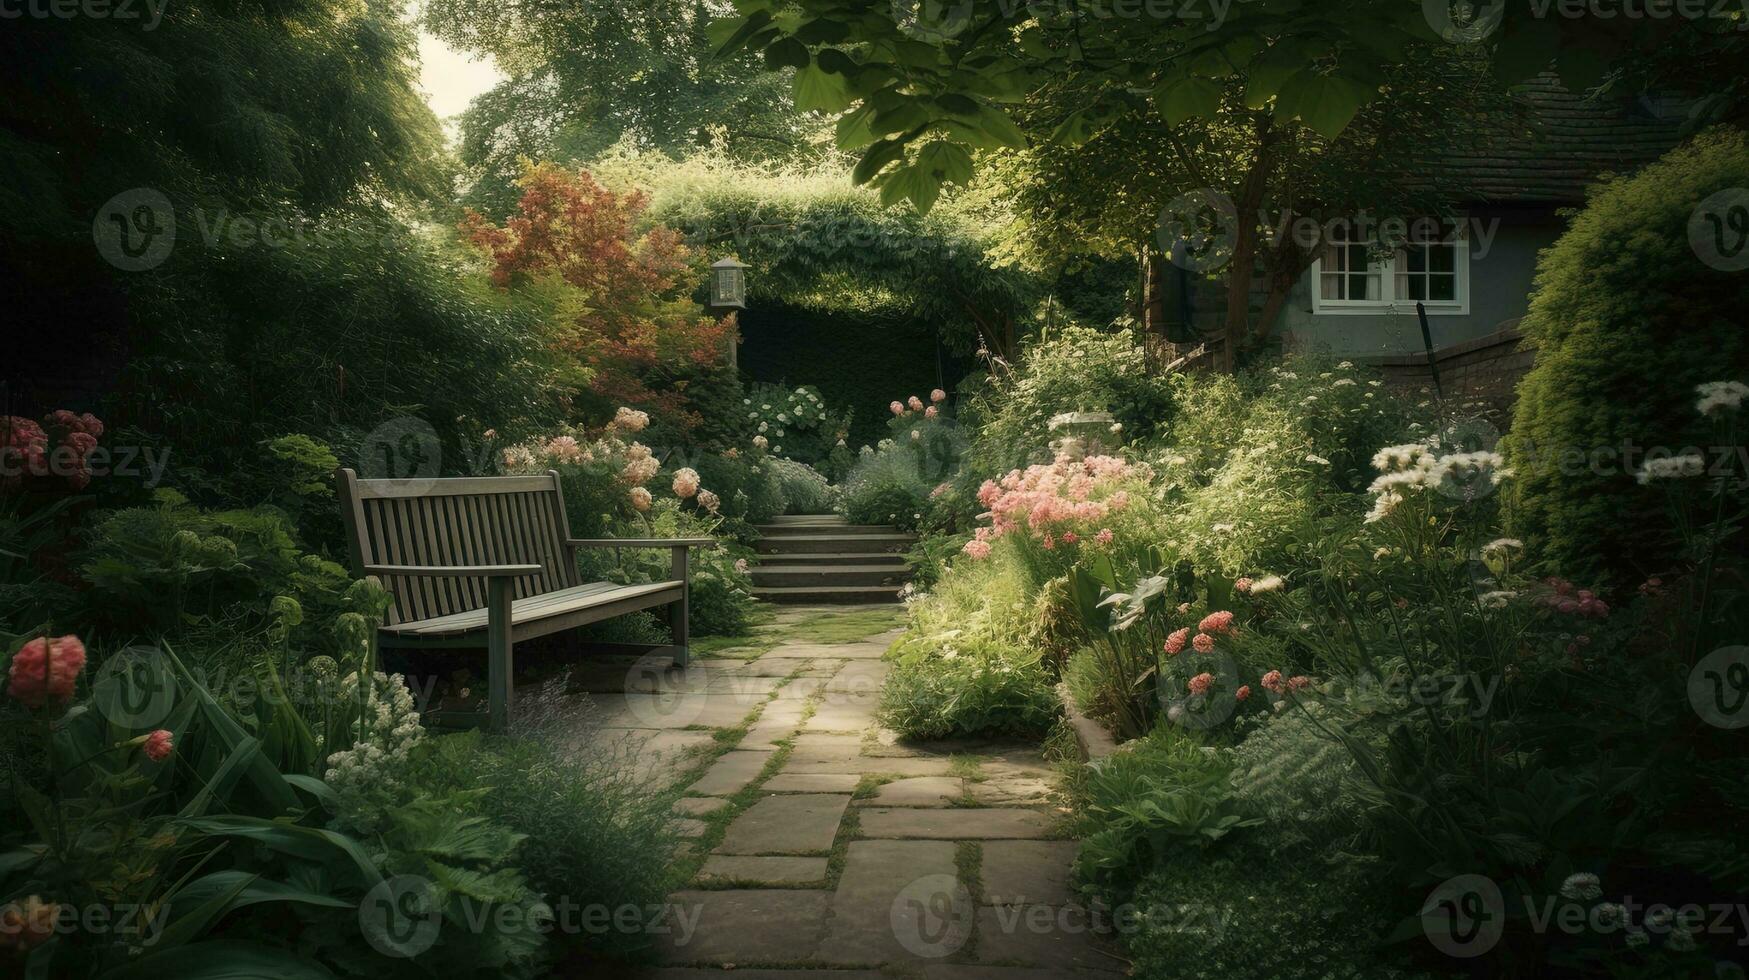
(829, 596)
(817, 544)
(832, 576)
(790, 530)
(830, 558)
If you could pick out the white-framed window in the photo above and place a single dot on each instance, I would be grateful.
(1353, 275)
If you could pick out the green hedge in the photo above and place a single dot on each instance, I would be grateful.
(1626, 320)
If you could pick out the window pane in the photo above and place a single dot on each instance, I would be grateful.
(1415, 258)
(1444, 257)
(1363, 286)
(1356, 258)
(1331, 287)
(1442, 288)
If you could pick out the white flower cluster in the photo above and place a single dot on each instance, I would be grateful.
(1417, 466)
(368, 778)
(1681, 467)
(1719, 396)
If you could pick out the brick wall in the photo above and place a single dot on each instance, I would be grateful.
(1480, 374)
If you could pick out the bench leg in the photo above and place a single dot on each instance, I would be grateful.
(500, 664)
(679, 612)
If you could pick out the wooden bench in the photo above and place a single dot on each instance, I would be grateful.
(489, 561)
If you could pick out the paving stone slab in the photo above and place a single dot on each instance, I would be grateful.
(779, 667)
(817, 783)
(825, 745)
(730, 774)
(699, 806)
(764, 736)
(1041, 936)
(688, 828)
(925, 766)
(846, 714)
(857, 650)
(743, 926)
(1028, 872)
(858, 679)
(765, 870)
(802, 824)
(919, 791)
(887, 908)
(953, 824)
(648, 744)
(672, 710)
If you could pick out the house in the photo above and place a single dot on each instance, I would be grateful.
(1475, 276)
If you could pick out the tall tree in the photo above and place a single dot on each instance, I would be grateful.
(584, 76)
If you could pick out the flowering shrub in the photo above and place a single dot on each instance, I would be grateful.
(795, 424)
(957, 690)
(369, 776)
(1056, 503)
(55, 453)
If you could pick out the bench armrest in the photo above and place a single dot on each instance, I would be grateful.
(641, 542)
(455, 571)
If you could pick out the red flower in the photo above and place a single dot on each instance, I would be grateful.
(45, 669)
(1272, 682)
(1201, 683)
(1176, 639)
(1203, 642)
(158, 745)
(1242, 693)
(1299, 682)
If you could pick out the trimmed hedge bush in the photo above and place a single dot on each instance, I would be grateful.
(1626, 320)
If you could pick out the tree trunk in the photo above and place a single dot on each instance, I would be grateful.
(1236, 330)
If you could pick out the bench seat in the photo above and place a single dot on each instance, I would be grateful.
(548, 612)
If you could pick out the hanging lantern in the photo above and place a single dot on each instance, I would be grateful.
(728, 284)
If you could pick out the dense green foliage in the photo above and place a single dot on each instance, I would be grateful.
(1623, 303)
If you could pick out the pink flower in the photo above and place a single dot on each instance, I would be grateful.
(1201, 683)
(741, 565)
(915, 403)
(1272, 682)
(1298, 682)
(641, 498)
(709, 501)
(1242, 586)
(977, 548)
(564, 448)
(1176, 639)
(929, 412)
(158, 745)
(1216, 622)
(45, 669)
(1242, 693)
(1104, 536)
(897, 408)
(1050, 543)
(938, 396)
(1070, 537)
(685, 482)
(1203, 643)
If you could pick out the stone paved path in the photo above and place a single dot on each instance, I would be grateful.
(826, 849)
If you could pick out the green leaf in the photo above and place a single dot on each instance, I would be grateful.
(947, 162)
(876, 157)
(913, 182)
(1326, 103)
(787, 52)
(1001, 128)
(1190, 98)
(822, 30)
(1269, 71)
(732, 34)
(836, 62)
(822, 91)
(1073, 131)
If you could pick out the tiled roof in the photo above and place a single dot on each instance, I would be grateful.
(1560, 144)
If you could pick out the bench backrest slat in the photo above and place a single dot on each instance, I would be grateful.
(462, 521)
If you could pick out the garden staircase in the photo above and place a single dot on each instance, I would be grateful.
(823, 559)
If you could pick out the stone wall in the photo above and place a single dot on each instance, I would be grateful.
(1480, 374)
